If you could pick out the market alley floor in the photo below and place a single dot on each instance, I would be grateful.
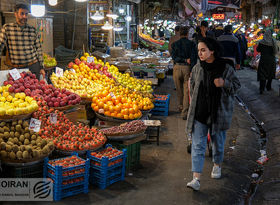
(165, 169)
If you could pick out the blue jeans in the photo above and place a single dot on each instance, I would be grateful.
(199, 143)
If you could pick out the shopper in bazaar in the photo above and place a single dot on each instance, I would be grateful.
(267, 64)
(184, 55)
(174, 38)
(22, 43)
(231, 48)
(213, 84)
(203, 32)
(243, 46)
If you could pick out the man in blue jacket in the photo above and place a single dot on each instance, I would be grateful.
(231, 48)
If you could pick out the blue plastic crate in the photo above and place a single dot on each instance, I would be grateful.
(162, 103)
(160, 113)
(58, 195)
(105, 161)
(105, 175)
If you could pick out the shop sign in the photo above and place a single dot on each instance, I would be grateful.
(15, 74)
(35, 125)
(225, 3)
(59, 72)
(218, 16)
(26, 189)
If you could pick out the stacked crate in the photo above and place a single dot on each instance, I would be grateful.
(161, 105)
(106, 169)
(69, 176)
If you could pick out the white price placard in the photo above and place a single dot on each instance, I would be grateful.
(53, 118)
(72, 70)
(58, 71)
(35, 125)
(15, 74)
(90, 59)
(112, 95)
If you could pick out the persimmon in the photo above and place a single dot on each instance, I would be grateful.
(100, 104)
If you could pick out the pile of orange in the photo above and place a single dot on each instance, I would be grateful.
(115, 106)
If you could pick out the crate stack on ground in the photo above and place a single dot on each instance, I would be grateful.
(161, 105)
(107, 166)
(70, 176)
(133, 154)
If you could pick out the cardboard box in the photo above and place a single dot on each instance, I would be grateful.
(79, 115)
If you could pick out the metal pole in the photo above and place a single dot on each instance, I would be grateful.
(127, 29)
(74, 26)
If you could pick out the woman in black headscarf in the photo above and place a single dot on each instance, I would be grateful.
(267, 64)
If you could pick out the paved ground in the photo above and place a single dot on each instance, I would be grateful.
(165, 169)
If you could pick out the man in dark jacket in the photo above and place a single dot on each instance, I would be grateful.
(203, 32)
(184, 55)
(230, 43)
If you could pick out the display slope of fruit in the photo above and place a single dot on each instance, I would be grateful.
(130, 82)
(69, 137)
(93, 75)
(15, 104)
(49, 61)
(17, 142)
(128, 128)
(149, 38)
(115, 106)
(143, 103)
(32, 87)
(76, 83)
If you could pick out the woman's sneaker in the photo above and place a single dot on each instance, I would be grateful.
(194, 184)
(216, 172)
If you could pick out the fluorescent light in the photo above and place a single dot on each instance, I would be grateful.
(81, 0)
(107, 26)
(259, 21)
(53, 2)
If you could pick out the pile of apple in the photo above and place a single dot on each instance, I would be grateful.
(32, 87)
(76, 83)
(103, 70)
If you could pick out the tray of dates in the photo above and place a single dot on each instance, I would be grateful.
(126, 130)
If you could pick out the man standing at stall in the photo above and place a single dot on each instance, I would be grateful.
(184, 55)
(22, 43)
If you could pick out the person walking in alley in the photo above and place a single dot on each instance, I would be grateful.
(184, 56)
(267, 64)
(174, 38)
(213, 84)
(231, 48)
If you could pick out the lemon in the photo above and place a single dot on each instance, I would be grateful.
(10, 111)
(9, 98)
(1, 89)
(2, 111)
(17, 95)
(2, 99)
(5, 94)
(22, 96)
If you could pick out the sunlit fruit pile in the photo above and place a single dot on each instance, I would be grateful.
(68, 136)
(108, 152)
(55, 97)
(130, 82)
(15, 104)
(115, 106)
(17, 142)
(76, 83)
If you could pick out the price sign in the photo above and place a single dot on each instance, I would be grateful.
(58, 71)
(72, 70)
(15, 74)
(112, 95)
(35, 125)
(53, 118)
(90, 59)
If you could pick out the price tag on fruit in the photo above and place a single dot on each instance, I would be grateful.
(90, 59)
(53, 118)
(15, 74)
(72, 70)
(35, 125)
(112, 95)
(58, 71)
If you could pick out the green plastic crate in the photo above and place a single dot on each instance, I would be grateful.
(133, 154)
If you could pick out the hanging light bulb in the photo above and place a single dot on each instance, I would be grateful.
(121, 10)
(128, 18)
(107, 26)
(81, 0)
(53, 2)
(112, 15)
(97, 16)
(118, 27)
(38, 8)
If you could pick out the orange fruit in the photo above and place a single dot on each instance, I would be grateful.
(131, 116)
(114, 114)
(107, 113)
(106, 107)
(111, 109)
(126, 117)
(100, 104)
(131, 111)
(119, 115)
(96, 108)
(94, 99)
